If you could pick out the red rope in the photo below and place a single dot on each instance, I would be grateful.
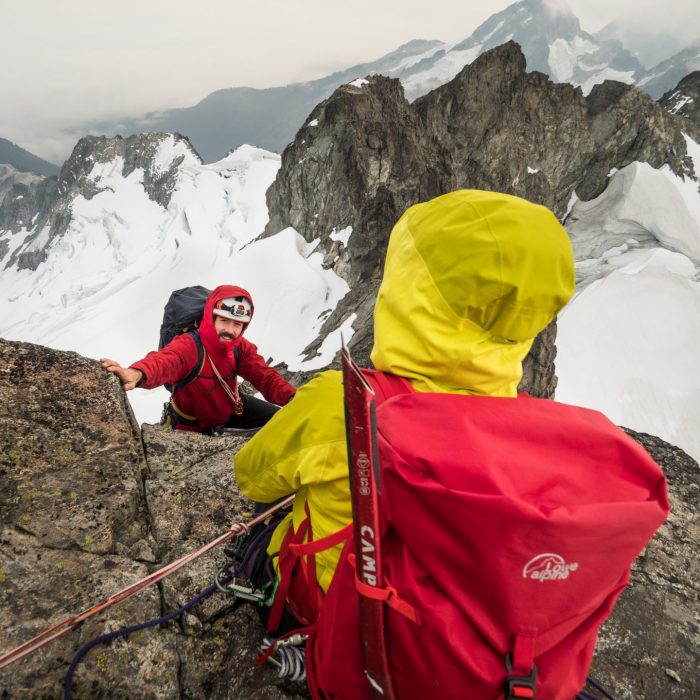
(71, 622)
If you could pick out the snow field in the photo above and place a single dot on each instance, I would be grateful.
(105, 283)
(627, 342)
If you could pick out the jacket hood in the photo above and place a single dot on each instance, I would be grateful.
(470, 279)
(210, 340)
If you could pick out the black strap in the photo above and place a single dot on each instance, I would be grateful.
(194, 372)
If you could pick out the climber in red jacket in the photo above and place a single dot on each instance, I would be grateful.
(211, 399)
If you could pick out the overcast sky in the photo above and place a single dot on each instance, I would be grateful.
(67, 61)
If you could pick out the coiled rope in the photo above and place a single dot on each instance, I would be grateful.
(288, 655)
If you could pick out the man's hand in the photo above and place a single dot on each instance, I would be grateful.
(127, 376)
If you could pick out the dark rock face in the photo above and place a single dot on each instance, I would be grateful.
(22, 196)
(627, 126)
(365, 155)
(517, 132)
(23, 202)
(136, 152)
(650, 646)
(498, 124)
(87, 508)
(684, 101)
(355, 164)
(84, 512)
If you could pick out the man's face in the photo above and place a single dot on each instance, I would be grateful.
(227, 329)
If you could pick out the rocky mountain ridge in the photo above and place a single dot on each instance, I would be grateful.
(24, 161)
(552, 41)
(684, 101)
(47, 205)
(88, 505)
(365, 154)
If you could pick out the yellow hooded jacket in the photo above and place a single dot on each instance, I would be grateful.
(470, 278)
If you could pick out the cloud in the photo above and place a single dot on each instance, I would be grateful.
(680, 18)
(81, 61)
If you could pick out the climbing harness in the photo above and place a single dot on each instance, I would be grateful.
(71, 622)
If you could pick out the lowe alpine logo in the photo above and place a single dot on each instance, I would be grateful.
(548, 567)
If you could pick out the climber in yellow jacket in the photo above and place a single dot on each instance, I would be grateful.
(470, 278)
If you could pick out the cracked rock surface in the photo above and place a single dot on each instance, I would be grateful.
(650, 646)
(83, 514)
(89, 505)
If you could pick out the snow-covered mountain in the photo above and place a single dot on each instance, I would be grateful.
(102, 283)
(649, 46)
(13, 155)
(549, 34)
(668, 73)
(551, 39)
(132, 219)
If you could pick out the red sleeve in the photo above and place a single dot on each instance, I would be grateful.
(266, 380)
(169, 365)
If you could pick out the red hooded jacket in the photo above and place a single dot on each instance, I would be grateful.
(204, 398)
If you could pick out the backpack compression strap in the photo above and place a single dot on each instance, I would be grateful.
(297, 559)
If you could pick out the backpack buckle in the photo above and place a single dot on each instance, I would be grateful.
(518, 687)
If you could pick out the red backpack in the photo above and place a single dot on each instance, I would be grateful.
(507, 530)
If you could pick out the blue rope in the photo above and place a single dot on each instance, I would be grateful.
(103, 639)
(585, 695)
(596, 684)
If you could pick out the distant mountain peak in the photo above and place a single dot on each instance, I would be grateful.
(554, 7)
(24, 161)
(540, 16)
(549, 33)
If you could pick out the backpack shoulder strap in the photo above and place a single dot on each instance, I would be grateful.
(199, 365)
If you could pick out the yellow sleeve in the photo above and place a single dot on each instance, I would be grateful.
(302, 450)
(302, 445)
